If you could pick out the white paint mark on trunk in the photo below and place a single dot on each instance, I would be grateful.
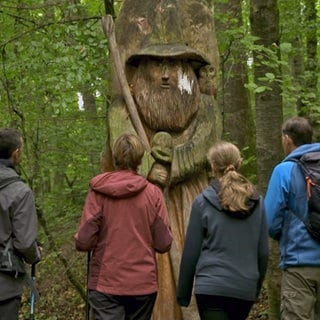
(184, 84)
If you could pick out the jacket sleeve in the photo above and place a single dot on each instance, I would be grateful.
(161, 233)
(263, 248)
(276, 198)
(87, 234)
(25, 227)
(190, 256)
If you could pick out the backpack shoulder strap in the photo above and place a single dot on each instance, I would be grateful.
(8, 181)
(301, 162)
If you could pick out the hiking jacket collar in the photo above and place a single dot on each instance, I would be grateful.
(211, 195)
(301, 150)
(119, 184)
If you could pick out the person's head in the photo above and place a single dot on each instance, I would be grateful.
(225, 160)
(11, 144)
(128, 151)
(224, 157)
(296, 131)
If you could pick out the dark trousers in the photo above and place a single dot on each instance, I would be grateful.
(9, 309)
(111, 307)
(222, 308)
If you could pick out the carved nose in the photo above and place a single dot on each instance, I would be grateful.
(165, 74)
(165, 78)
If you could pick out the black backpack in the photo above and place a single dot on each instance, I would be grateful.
(309, 164)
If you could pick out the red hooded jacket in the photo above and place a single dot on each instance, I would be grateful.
(124, 223)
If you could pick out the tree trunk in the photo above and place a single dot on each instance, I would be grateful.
(310, 23)
(151, 28)
(292, 33)
(264, 17)
(233, 95)
(109, 7)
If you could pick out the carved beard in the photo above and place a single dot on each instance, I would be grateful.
(169, 109)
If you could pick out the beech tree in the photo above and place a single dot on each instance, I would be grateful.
(264, 18)
(233, 94)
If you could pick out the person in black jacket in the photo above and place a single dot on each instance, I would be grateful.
(18, 225)
(226, 247)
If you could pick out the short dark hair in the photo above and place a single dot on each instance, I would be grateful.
(299, 130)
(128, 151)
(10, 140)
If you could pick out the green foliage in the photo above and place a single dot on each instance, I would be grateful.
(300, 91)
(50, 55)
(248, 165)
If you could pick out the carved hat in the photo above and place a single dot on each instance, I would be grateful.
(170, 50)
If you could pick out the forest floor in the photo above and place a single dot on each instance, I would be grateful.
(260, 308)
(58, 308)
(60, 300)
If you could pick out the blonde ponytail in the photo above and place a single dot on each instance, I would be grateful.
(235, 191)
(225, 159)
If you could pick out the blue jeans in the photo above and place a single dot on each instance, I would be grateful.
(112, 307)
(9, 309)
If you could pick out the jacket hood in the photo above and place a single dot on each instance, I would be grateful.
(119, 184)
(211, 195)
(8, 173)
(301, 150)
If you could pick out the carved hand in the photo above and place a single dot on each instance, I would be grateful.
(161, 148)
(159, 175)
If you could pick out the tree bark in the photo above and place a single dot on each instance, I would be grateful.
(310, 24)
(233, 96)
(264, 18)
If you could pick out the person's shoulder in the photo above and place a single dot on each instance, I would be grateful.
(284, 167)
(210, 195)
(153, 188)
(281, 174)
(19, 189)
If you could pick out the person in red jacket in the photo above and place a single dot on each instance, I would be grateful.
(124, 224)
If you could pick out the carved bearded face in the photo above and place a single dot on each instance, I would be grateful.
(167, 93)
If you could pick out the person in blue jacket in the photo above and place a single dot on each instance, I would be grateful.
(286, 208)
(226, 245)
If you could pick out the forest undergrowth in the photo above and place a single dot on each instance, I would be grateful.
(60, 300)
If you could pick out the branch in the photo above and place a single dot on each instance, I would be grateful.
(109, 31)
(5, 84)
(45, 25)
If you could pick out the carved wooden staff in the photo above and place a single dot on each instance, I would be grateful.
(109, 31)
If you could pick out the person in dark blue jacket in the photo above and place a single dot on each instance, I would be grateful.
(286, 208)
(226, 247)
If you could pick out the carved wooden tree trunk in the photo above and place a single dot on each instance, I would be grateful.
(167, 43)
(264, 19)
